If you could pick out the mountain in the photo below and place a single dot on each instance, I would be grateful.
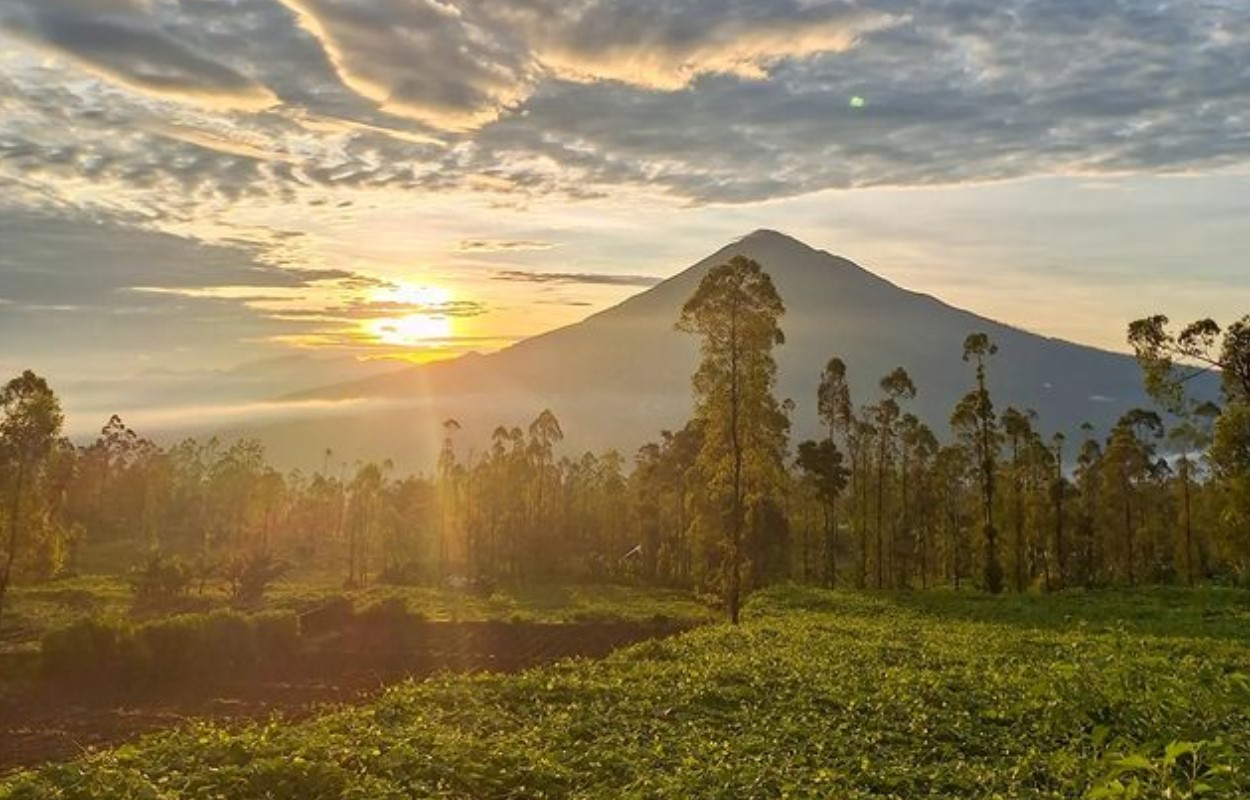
(620, 376)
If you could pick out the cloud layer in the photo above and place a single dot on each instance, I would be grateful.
(707, 101)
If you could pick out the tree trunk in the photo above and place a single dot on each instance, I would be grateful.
(14, 517)
(1189, 524)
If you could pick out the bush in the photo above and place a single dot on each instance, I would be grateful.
(92, 653)
(251, 575)
(195, 648)
(161, 582)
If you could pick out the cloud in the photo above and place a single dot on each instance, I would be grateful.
(710, 102)
(502, 245)
(421, 59)
(361, 309)
(122, 40)
(968, 91)
(457, 66)
(665, 46)
(589, 278)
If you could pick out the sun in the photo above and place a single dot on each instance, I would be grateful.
(428, 324)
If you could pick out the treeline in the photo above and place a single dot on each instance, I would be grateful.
(879, 500)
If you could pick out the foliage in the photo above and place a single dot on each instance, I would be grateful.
(735, 312)
(251, 575)
(30, 428)
(817, 694)
(161, 582)
(106, 653)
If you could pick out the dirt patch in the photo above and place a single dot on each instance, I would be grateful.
(41, 723)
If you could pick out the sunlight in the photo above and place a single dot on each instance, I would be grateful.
(428, 323)
(413, 329)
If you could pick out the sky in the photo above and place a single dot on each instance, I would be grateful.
(194, 185)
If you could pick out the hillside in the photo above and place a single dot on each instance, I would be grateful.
(620, 376)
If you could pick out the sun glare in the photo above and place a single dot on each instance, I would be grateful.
(428, 324)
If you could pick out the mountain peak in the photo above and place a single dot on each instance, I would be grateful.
(768, 234)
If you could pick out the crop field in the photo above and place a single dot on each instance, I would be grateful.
(818, 694)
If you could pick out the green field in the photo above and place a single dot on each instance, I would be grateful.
(1142, 694)
(37, 609)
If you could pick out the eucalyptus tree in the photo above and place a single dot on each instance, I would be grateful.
(896, 386)
(447, 491)
(735, 312)
(544, 434)
(1018, 431)
(952, 475)
(975, 425)
(1126, 464)
(30, 425)
(820, 462)
(1059, 489)
(1171, 361)
(919, 448)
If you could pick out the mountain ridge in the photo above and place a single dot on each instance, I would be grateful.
(621, 375)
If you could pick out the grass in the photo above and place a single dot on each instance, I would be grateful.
(818, 694)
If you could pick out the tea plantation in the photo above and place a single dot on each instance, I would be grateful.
(817, 694)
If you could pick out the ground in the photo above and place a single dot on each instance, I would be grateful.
(818, 694)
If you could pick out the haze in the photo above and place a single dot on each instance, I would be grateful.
(194, 189)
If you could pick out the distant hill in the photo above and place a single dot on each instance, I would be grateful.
(620, 376)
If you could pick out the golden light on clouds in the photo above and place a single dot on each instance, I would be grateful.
(413, 329)
(428, 325)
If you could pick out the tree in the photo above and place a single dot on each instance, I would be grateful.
(736, 312)
(1126, 462)
(446, 492)
(896, 386)
(1018, 430)
(1171, 361)
(30, 424)
(918, 505)
(821, 464)
(544, 434)
(1058, 492)
(974, 423)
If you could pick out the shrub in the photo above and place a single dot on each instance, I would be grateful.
(92, 653)
(160, 582)
(189, 648)
(251, 575)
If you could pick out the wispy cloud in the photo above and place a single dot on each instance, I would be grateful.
(122, 40)
(502, 245)
(589, 278)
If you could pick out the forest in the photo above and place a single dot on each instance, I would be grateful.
(725, 504)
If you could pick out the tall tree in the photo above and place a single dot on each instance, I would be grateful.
(1018, 430)
(736, 313)
(896, 386)
(975, 424)
(821, 465)
(1058, 493)
(30, 424)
